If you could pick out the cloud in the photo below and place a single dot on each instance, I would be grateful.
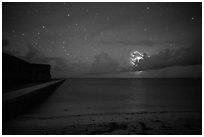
(63, 68)
(7, 48)
(103, 63)
(32, 53)
(167, 58)
(60, 67)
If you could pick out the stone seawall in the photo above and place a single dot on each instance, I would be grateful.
(18, 101)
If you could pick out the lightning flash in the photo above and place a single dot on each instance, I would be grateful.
(135, 58)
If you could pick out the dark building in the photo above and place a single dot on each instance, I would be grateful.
(16, 71)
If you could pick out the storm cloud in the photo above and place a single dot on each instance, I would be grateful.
(191, 55)
(103, 63)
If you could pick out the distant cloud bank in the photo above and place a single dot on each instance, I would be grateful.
(191, 55)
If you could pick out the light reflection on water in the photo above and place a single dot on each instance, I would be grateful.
(87, 96)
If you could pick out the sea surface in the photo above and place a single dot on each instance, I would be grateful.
(121, 95)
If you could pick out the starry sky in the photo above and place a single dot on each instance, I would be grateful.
(96, 39)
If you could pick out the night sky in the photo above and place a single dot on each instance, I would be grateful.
(97, 39)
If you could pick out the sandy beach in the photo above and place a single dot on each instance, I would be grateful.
(122, 106)
(141, 123)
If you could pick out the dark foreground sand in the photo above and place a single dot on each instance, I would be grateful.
(163, 122)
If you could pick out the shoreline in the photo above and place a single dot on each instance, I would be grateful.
(105, 114)
(153, 123)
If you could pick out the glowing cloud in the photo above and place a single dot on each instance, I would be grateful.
(135, 58)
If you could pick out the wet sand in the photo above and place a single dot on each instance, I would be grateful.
(141, 123)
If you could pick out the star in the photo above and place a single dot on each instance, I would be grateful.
(147, 7)
(192, 18)
(23, 34)
(145, 29)
(68, 14)
(43, 26)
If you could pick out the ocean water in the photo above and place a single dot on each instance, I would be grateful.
(121, 95)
